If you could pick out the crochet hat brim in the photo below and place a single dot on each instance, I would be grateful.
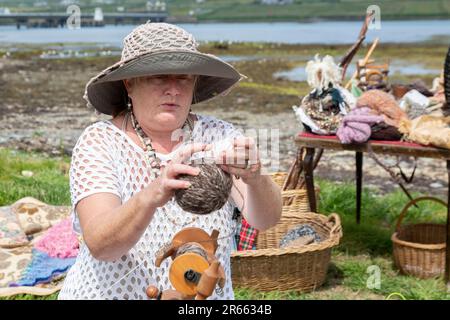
(107, 94)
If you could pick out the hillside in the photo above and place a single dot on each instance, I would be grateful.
(253, 10)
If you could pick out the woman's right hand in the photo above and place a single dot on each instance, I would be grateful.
(165, 185)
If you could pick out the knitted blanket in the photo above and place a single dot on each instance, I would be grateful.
(37, 247)
(42, 269)
(60, 241)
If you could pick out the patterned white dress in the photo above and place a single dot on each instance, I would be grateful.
(105, 159)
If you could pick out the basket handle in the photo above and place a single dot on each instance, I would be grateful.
(411, 203)
(336, 222)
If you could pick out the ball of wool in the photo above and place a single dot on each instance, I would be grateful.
(209, 190)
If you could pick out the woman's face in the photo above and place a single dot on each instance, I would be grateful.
(161, 102)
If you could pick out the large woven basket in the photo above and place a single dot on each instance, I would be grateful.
(279, 177)
(299, 268)
(419, 249)
(295, 202)
(296, 199)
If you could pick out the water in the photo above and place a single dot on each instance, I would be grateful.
(76, 53)
(329, 32)
(62, 52)
(298, 74)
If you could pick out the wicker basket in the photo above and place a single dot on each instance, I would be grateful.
(279, 178)
(301, 268)
(297, 199)
(419, 249)
(298, 205)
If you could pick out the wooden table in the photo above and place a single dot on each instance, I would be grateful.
(312, 141)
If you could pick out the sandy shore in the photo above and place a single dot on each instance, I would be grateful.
(42, 108)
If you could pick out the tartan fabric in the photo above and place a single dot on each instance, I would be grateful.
(245, 234)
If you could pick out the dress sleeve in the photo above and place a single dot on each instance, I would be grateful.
(92, 167)
(217, 130)
(229, 130)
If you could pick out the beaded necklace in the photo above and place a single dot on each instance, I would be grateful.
(151, 159)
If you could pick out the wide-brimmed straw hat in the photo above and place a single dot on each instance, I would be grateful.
(157, 49)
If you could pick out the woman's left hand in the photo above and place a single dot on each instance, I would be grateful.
(242, 160)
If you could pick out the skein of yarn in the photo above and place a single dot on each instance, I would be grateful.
(209, 190)
(356, 126)
(382, 104)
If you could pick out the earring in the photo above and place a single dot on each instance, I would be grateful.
(129, 105)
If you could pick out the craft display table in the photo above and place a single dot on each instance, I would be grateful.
(311, 142)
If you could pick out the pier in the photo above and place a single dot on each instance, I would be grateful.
(59, 19)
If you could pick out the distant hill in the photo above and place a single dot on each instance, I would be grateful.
(254, 10)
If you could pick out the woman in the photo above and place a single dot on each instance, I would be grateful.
(124, 171)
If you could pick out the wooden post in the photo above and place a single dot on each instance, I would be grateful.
(359, 174)
(447, 248)
(308, 164)
(365, 60)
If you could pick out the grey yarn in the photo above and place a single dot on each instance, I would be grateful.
(192, 247)
(209, 190)
(299, 231)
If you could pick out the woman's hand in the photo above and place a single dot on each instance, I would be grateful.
(242, 160)
(255, 194)
(165, 185)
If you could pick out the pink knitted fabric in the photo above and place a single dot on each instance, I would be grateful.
(59, 241)
(356, 126)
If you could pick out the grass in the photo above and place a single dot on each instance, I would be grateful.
(53, 296)
(362, 247)
(252, 10)
(366, 246)
(308, 10)
(49, 183)
(271, 88)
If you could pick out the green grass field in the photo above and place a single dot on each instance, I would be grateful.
(253, 10)
(362, 245)
(50, 182)
(307, 10)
